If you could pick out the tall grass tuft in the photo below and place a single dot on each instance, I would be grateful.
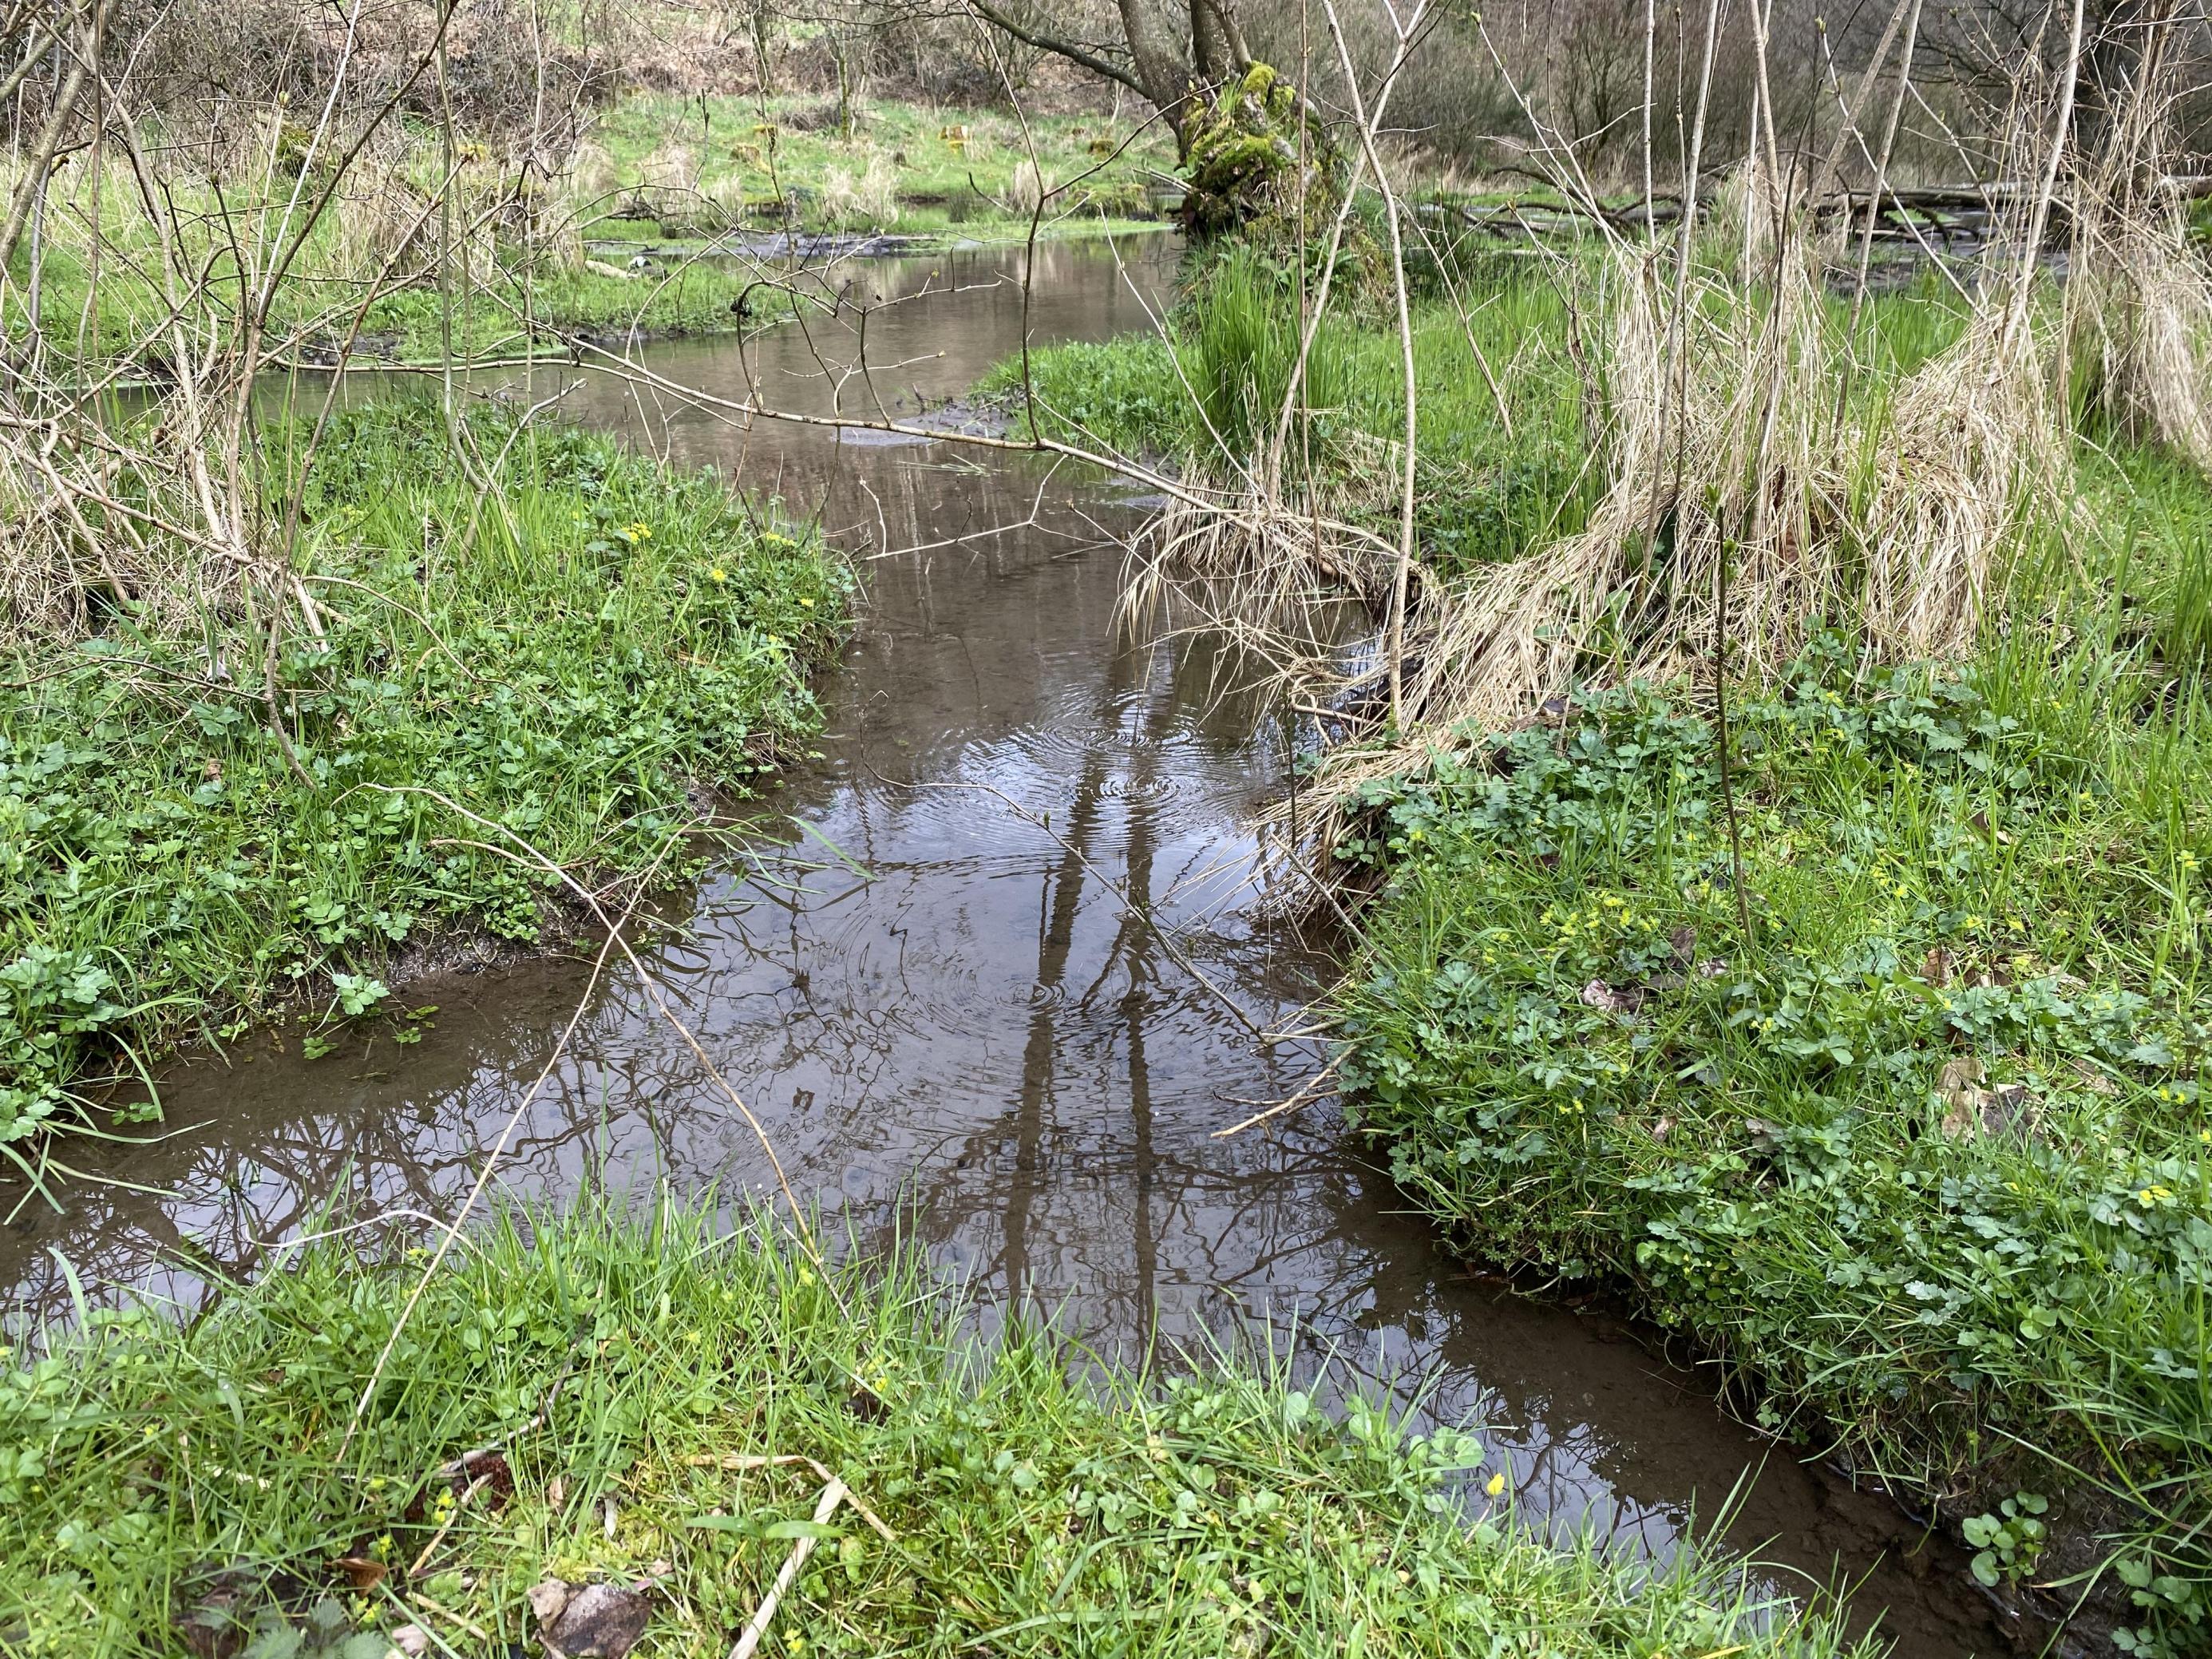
(1241, 352)
(865, 198)
(2139, 304)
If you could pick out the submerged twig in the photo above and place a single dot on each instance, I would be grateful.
(1310, 1090)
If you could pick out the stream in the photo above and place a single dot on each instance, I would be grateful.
(946, 1019)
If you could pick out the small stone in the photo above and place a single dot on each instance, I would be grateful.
(596, 1621)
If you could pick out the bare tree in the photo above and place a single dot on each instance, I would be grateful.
(1173, 56)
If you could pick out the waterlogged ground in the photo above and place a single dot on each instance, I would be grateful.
(947, 1019)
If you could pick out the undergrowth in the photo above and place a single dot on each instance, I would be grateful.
(1924, 1161)
(573, 1401)
(1507, 455)
(570, 655)
(1207, 395)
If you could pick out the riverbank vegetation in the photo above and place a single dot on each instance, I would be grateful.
(211, 816)
(1763, 796)
(666, 215)
(1761, 773)
(607, 1433)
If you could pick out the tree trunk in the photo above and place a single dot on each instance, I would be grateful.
(1160, 65)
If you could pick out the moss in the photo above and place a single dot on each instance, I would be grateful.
(1243, 158)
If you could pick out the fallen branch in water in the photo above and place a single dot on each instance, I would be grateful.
(1310, 1090)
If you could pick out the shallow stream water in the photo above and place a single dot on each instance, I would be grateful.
(948, 1019)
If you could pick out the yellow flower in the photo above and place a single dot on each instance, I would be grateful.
(808, 603)
(717, 575)
(1496, 1484)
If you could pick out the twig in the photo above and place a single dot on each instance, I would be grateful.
(484, 1176)
(1309, 1090)
(756, 1626)
(446, 1526)
(737, 1462)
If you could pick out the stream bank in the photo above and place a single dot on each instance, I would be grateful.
(952, 1031)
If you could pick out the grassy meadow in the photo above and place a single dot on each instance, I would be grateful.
(204, 827)
(907, 168)
(647, 1409)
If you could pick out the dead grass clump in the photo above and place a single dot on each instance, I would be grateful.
(726, 196)
(1026, 189)
(90, 526)
(1742, 510)
(1969, 448)
(380, 222)
(2139, 308)
(862, 199)
(579, 191)
(1759, 483)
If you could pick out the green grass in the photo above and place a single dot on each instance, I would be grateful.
(1925, 1162)
(953, 170)
(1210, 392)
(1922, 1162)
(568, 656)
(154, 1476)
(1504, 460)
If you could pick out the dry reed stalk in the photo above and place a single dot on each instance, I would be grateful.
(2140, 300)
(91, 520)
(379, 219)
(1893, 517)
(2139, 297)
(862, 199)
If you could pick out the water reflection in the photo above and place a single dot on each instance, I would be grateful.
(962, 1026)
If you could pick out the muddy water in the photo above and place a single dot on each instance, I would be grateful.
(951, 1023)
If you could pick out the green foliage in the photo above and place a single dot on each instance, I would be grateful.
(1246, 159)
(2009, 1542)
(1483, 492)
(1928, 1163)
(625, 1367)
(566, 658)
(954, 166)
(1242, 346)
(1123, 394)
(746, 167)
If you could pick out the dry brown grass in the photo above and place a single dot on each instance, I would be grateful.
(1742, 509)
(2139, 310)
(91, 521)
(864, 196)
(1759, 481)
